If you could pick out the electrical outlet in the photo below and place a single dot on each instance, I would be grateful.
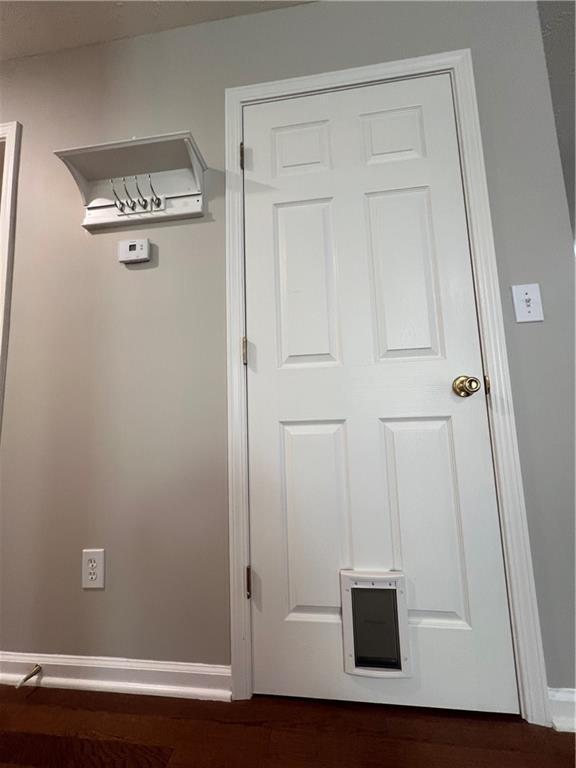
(92, 569)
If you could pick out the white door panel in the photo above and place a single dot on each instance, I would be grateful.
(360, 313)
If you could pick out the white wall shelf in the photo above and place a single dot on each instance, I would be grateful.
(138, 181)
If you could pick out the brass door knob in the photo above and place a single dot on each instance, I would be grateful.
(464, 386)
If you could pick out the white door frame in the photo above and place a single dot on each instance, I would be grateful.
(525, 622)
(10, 137)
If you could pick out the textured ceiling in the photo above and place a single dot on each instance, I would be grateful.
(29, 28)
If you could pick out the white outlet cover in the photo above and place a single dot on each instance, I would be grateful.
(527, 303)
(93, 565)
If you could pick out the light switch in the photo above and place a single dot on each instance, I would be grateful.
(527, 303)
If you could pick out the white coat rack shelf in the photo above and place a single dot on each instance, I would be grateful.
(158, 178)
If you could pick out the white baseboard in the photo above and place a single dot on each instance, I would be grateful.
(175, 679)
(102, 673)
(563, 708)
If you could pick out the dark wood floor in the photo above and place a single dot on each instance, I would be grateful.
(44, 728)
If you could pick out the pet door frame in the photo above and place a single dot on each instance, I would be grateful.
(388, 580)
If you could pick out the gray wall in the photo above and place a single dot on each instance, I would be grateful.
(115, 416)
(557, 22)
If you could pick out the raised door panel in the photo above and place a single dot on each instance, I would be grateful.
(426, 524)
(305, 279)
(394, 134)
(301, 148)
(404, 275)
(316, 511)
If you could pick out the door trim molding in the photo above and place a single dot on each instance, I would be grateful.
(525, 622)
(10, 134)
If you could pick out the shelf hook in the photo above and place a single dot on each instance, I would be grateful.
(129, 202)
(142, 202)
(117, 202)
(155, 199)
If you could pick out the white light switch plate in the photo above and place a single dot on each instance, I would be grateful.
(527, 303)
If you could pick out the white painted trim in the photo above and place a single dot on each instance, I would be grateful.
(531, 669)
(563, 708)
(239, 522)
(523, 608)
(102, 673)
(10, 134)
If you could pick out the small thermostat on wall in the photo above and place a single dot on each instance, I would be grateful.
(133, 251)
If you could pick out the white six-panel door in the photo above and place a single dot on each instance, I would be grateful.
(360, 313)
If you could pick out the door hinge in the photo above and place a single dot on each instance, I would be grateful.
(242, 155)
(248, 582)
(244, 350)
(487, 384)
